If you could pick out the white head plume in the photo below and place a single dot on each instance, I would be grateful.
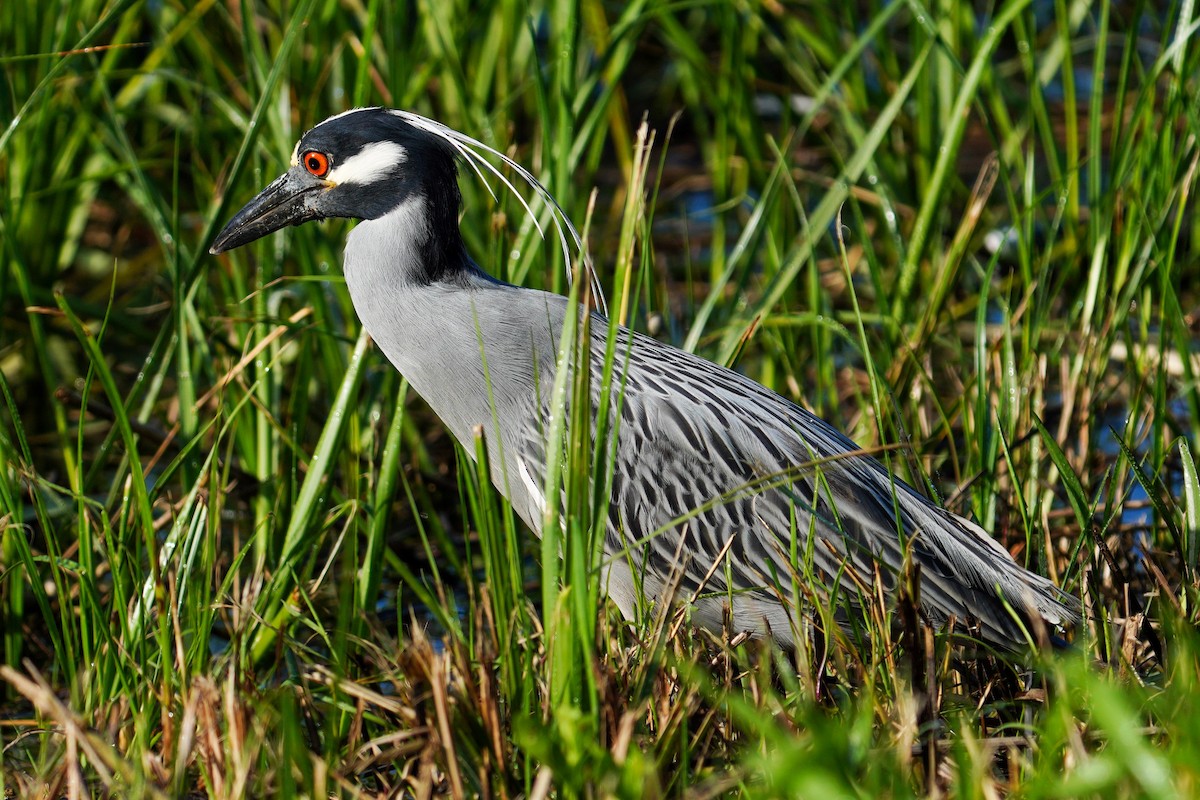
(472, 150)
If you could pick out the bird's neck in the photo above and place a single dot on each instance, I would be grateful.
(415, 290)
(416, 242)
(479, 351)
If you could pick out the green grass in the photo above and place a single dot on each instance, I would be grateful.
(238, 557)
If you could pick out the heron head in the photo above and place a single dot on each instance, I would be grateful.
(360, 165)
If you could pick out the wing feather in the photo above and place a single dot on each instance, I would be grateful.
(710, 464)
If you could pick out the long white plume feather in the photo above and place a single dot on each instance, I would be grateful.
(470, 149)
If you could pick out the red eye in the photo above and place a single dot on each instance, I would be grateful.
(316, 163)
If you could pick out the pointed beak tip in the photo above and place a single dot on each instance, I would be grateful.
(221, 244)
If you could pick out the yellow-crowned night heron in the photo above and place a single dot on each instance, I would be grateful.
(694, 439)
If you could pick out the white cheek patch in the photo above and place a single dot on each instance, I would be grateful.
(374, 162)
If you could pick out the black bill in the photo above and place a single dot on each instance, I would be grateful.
(289, 200)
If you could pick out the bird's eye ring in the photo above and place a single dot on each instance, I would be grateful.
(316, 163)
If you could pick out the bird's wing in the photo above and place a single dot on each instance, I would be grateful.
(713, 466)
(731, 489)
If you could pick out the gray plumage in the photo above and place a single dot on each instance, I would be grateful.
(746, 469)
